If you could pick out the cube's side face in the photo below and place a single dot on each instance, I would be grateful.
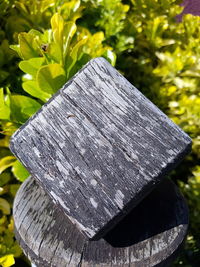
(98, 147)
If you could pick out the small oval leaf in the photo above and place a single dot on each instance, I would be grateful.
(19, 171)
(50, 78)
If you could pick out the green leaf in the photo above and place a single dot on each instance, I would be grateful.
(32, 88)
(46, 4)
(19, 171)
(21, 6)
(22, 107)
(4, 206)
(75, 55)
(55, 52)
(32, 65)
(4, 142)
(13, 188)
(36, 33)
(68, 33)
(6, 162)
(59, 49)
(4, 178)
(3, 75)
(7, 261)
(16, 48)
(72, 10)
(2, 58)
(8, 53)
(16, 24)
(4, 190)
(8, 128)
(57, 24)
(110, 56)
(4, 109)
(28, 45)
(43, 37)
(50, 78)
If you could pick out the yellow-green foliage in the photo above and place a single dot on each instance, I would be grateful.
(51, 40)
(164, 64)
(52, 48)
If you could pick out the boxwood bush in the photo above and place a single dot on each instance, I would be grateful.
(44, 43)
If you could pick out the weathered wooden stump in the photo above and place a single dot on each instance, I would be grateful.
(111, 143)
(150, 235)
(97, 148)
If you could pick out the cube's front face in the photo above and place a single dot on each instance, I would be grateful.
(98, 147)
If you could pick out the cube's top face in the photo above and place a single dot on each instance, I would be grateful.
(98, 147)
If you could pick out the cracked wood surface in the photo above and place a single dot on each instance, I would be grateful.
(150, 235)
(98, 147)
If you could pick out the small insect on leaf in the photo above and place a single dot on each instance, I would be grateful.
(44, 47)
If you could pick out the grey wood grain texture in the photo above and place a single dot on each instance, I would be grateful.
(150, 235)
(98, 147)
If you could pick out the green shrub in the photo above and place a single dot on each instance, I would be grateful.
(51, 40)
(164, 65)
(52, 48)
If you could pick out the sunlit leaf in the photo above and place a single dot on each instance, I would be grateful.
(16, 48)
(32, 88)
(50, 78)
(46, 4)
(19, 171)
(28, 45)
(22, 107)
(4, 206)
(75, 54)
(72, 10)
(8, 128)
(68, 32)
(4, 109)
(21, 6)
(6, 162)
(55, 52)
(57, 24)
(32, 65)
(110, 56)
(7, 261)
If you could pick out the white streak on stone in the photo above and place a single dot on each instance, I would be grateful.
(62, 184)
(58, 101)
(171, 152)
(98, 173)
(82, 150)
(127, 158)
(41, 119)
(93, 202)
(48, 177)
(93, 182)
(91, 232)
(119, 196)
(108, 212)
(134, 156)
(78, 170)
(60, 166)
(59, 200)
(36, 151)
(62, 145)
